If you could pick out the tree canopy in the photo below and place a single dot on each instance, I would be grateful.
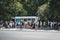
(49, 9)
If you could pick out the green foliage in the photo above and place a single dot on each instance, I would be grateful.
(24, 13)
(49, 9)
(11, 8)
(42, 9)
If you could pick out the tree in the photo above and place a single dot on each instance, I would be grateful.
(10, 8)
(49, 9)
(55, 7)
(32, 6)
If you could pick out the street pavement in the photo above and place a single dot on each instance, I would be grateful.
(28, 34)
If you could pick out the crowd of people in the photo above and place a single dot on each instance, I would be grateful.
(31, 25)
(7, 24)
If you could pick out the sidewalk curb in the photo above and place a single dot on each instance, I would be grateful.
(29, 30)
